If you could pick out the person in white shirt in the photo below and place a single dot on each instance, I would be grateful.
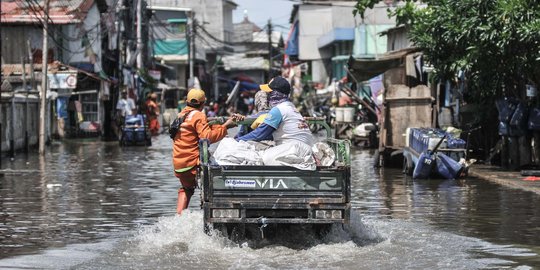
(124, 107)
(288, 128)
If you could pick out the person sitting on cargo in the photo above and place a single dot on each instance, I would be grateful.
(194, 126)
(262, 108)
(288, 128)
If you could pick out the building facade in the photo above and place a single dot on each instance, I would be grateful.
(327, 34)
(74, 76)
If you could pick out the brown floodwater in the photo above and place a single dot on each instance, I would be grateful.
(90, 204)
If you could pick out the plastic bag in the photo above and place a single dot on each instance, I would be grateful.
(506, 108)
(534, 119)
(519, 117)
(324, 154)
(447, 167)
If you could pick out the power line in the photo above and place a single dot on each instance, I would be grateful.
(46, 14)
(40, 22)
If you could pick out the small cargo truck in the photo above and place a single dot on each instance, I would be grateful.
(235, 196)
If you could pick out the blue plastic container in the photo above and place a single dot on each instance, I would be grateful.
(423, 169)
(447, 167)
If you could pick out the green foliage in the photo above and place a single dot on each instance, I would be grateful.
(405, 15)
(362, 5)
(497, 42)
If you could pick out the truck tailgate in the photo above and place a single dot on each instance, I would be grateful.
(277, 194)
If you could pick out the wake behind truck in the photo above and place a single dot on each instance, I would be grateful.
(239, 195)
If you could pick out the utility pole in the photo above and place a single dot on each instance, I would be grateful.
(43, 93)
(32, 71)
(216, 82)
(139, 35)
(269, 31)
(32, 87)
(25, 88)
(12, 126)
(191, 45)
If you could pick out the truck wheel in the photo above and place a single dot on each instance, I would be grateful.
(238, 232)
(207, 228)
(321, 230)
(217, 227)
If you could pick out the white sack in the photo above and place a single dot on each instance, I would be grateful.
(231, 152)
(293, 153)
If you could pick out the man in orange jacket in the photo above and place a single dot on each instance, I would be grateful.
(186, 144)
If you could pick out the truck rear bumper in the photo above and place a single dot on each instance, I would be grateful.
(277, 213)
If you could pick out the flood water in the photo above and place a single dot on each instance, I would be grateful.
(93, 205)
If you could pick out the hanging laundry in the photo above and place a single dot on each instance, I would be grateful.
(78, 108)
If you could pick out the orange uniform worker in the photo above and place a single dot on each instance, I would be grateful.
(186, 144)
(152, 112)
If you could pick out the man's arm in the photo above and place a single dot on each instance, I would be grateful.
(261, 133)
(212, 133)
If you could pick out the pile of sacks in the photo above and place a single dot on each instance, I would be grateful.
(297, 155)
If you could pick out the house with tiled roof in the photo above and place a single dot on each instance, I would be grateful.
(74, 46)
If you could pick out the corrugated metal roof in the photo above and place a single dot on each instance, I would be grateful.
(60, 12)
(17, 69)
(364, 69)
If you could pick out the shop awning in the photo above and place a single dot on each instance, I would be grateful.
(366, 68)
(244, 86)
(336, 34)
(171, 47)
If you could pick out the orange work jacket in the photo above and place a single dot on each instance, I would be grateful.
(186, 141)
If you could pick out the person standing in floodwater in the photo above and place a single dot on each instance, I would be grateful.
(152, 113)
(193, 127)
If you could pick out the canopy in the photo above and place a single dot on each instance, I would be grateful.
(366, 68)
(244, 86)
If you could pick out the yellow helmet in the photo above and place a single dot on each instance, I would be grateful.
(196, 96)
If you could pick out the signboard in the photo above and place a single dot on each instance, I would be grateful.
(62, 80)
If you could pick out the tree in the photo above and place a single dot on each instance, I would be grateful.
(497, 42)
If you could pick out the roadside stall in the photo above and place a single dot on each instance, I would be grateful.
(406, 101)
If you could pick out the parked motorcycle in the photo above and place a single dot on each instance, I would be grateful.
(314, 105)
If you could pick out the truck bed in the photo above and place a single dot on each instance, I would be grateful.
(242, 194)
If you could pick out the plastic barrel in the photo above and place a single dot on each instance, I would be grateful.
(339, 114)
(348, 114)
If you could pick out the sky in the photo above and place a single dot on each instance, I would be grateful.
(259, 11)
